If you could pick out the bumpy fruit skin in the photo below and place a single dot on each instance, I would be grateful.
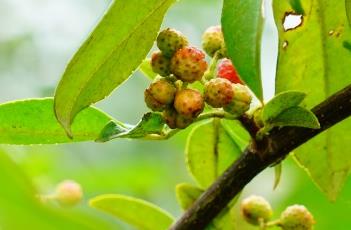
(189, 103)
(256, 208)
(218, 92)
(212, 40)
(160, 94)
(175, 120)
(227, 70)
(241, 101)
(296, 217)
(188, 64)
(170, 40)
(68, 193)
(160, 64)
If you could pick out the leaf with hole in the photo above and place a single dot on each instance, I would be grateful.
(209, 151)
(138, 213)
(32, 121)
(318, 71)
(151, 123)
(243, 43)
(281, 102)
(109, 56)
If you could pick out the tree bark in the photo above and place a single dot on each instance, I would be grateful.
(259, 156)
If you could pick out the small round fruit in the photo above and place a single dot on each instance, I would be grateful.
(296, 217)
(189, 103)
(160, 64)
(171, 40)
(188, 64)
(218, 92)
(212, 40)
(68, 193)
(183, 121)
(227, 70)
(175, 120)
(160, 94)
(255, 209)
(241, 101)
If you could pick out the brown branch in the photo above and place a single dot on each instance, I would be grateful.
(276, 146)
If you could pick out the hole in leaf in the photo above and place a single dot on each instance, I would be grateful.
(292, 21)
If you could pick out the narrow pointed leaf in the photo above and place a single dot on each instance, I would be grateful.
(314, 58)
(242, 25)
(138, 213)
(32, 121)
(108, 57)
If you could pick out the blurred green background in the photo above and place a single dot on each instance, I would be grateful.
(37, 39)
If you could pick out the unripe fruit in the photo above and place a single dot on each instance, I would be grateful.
(218, 92)
(227, 70)
(188, 64)
(212, 40)
(68, 193)
(160, 94)
(296, 217)
(171, 40)
(189, 103)
(175, 120)
(241, 101)
(160, 64)
(255, 209)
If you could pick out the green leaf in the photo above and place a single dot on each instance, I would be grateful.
(244, 42)
(237, 132)
(32, 121)
(151, 123)
(187, 194)
(296, 116)
(146, 69)
(108, 57)
(348, 10)
(138, 213)
(209, 151)
(313, 59)
(277, 175)
(297, 7)
(281, 102)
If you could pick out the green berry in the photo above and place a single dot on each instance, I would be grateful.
(241, 100)
(175, 120)
(160, 64)
(189, 103)
(218, 92)
(160, 94)
(68, 193)
(188, 64)
(213, 41)
(255, 209)
(170, 40)
(296, 217)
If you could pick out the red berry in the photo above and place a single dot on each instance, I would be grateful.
(189, 103)
(160, 64)
(170, 40)
(227, 70)
(188, 64)
(218, 92)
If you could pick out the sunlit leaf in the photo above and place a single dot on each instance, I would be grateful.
(242, 24)
(108, 57)
(348, 10)
(187, 194)
(238, 133)
(146, 69)
(32, 121)
(314, 58)
(209, 151)
(138, 213)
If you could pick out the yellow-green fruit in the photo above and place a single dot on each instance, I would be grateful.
(160, 64)
(241, 100)
(218, 92)
(296, 217)
(189, 103)
(160, 94)
(213, 41)
(171, 40)
(68, 193)
(175, 120)
(255, 209)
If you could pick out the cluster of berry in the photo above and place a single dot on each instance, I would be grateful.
(180, 64)
(257, 211)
